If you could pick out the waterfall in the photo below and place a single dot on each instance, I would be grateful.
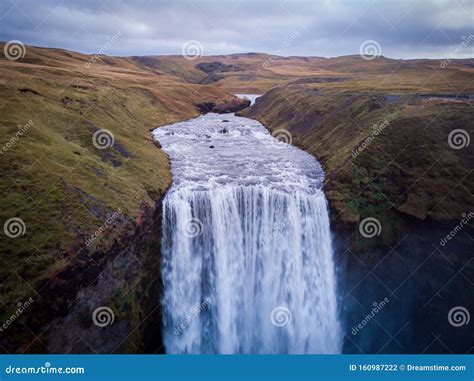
(247, 261)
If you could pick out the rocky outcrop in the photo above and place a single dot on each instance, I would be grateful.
(227, 106)
(104, 301)
(217, 67)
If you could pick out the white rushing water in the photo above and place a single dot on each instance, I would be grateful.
(247, 259)
(251, 97)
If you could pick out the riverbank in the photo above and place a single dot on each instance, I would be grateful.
(84, 177)
(372, 170)
(378, 168)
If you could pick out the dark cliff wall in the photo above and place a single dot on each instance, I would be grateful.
(125, 280)
(387, 157)
(130, 285)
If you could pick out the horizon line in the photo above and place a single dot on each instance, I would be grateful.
(239, 54)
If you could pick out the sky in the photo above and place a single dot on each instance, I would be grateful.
(397, 29)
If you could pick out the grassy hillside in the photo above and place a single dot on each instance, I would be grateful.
(384, 142)
(251, 73)
(258, 73)
(56, 180)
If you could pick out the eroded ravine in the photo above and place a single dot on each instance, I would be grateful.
(247, 258)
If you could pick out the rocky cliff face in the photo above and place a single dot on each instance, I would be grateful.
(224, 107)
(396, 190)
(104, 301)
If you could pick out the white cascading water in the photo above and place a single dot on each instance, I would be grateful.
(247, 259)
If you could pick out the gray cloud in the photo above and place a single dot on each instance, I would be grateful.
(404, 29)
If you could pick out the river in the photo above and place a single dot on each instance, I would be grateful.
(247, 260)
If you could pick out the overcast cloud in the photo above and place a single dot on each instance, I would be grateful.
(403, 29)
